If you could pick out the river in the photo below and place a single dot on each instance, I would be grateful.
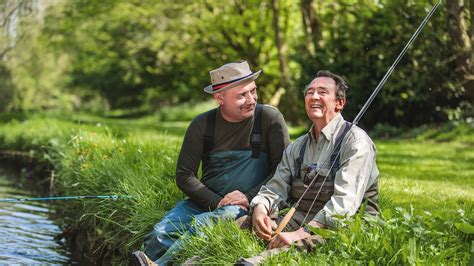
(27, 231)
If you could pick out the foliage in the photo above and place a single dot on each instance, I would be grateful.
(106, 55)
(97, 156)
(399, 237)
(93, 159)
(220, 243)
(451, 131)
(422, 84)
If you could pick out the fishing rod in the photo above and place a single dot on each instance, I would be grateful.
(292, 210)
(113, 197)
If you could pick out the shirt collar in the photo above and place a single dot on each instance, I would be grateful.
(329, 130)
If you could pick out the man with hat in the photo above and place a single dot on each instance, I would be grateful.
(239, 144)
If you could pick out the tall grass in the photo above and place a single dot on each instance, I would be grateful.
(397, 237)
(426, 193)
(90, 160)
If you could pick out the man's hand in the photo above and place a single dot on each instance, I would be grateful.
(286, 238)
(235, 198)
(261, 222)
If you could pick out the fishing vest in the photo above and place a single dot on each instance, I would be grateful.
(303, 175)
(231, 170)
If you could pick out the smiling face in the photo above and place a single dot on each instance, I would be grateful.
(238, 103)
(320, 101)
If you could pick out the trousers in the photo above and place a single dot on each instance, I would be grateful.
(163, 241)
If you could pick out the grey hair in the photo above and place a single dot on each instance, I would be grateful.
(341, 85)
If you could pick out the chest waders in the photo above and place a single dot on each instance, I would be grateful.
(304, 174)
(243, 170)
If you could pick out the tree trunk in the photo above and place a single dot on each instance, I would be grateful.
(312, 26)
(470, 87)
(291, 98)
(462, 43)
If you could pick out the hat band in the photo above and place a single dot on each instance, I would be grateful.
(221, 85)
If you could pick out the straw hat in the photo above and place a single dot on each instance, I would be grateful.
(230, 75)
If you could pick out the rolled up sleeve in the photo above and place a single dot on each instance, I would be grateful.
(277, 188)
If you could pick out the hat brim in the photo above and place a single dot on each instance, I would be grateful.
(252, 77)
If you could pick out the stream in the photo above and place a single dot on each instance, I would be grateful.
(27, 231)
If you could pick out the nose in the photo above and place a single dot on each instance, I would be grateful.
(249, 99)
(314, 96)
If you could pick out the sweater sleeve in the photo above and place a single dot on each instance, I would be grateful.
(188, 166)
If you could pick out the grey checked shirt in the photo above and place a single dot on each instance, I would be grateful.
(357, 172)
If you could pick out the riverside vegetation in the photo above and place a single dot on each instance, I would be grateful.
(426, 192)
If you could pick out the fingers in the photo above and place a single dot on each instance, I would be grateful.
(262, 227)
(235, 193)
(243, 202)
(221, 203)
(243, 207)
(234, 198)
(279, 240)
(273, 243)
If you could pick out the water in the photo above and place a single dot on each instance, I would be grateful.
(26, 230)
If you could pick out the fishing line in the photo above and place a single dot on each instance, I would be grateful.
(113, 197)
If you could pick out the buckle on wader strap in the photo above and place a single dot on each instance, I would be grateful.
(255, 138)
(334, 156)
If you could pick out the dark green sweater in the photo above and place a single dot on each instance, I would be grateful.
(227, 136)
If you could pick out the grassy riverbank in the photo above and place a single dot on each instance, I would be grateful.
(426, 189)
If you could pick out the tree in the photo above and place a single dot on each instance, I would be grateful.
(311, 25)
(284, 86)
(9, 14)
(461, 33)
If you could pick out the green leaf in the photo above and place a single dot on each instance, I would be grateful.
(387, 246)
(465, 228)
(344, 238)
(325, 233)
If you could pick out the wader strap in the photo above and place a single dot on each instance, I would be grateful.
(209, 135)
(256, 137)
(299, 160)
(334, 156)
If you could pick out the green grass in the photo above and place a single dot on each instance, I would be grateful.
(426, 191)
(434, 176)
(427, 198)
(95, 159)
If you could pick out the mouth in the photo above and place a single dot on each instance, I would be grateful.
(249, 107)
(316, 106)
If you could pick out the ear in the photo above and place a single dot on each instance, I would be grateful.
(340, 104)
(217, 96)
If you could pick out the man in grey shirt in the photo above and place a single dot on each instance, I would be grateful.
(351, 181)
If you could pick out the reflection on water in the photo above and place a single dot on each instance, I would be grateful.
(26, 232)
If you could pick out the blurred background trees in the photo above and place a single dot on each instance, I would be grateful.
(143, 55)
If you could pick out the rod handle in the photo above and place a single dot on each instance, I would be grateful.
(285, 220)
